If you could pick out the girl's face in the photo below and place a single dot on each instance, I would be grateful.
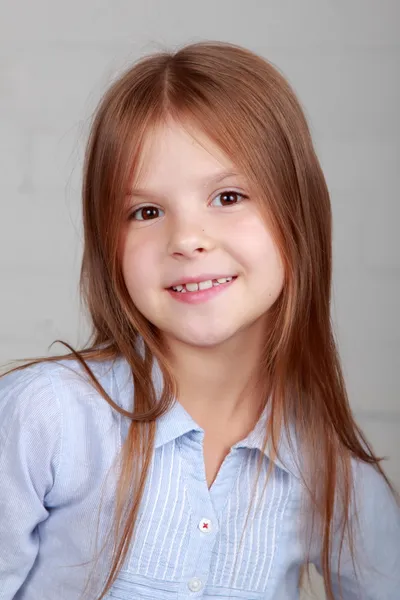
(198, 260)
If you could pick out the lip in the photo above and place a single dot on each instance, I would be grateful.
(201, 295)
(203, 277)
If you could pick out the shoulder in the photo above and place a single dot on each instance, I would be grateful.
(47, 384)
(376, 533)
(54, 420)
(375, 517)
(372, 494)
(58, 403)
(26, 394)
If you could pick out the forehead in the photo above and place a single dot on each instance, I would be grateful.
(172, 150)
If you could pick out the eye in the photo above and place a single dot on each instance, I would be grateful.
(146, 213)
(228, 198)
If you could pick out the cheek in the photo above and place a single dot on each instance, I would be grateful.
(137, 259)
(256, 250)
(255, 247)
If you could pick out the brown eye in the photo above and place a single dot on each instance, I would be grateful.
(228, 198)
(146, 213)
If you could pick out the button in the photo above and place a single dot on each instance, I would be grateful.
(195, 584)
(205, 525)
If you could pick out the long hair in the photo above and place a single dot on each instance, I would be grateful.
(245, 106)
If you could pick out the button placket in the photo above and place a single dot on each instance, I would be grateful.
(202, 538)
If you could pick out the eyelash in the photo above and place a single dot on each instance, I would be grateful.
(225, 192)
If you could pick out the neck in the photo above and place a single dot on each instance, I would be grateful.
(219, 381)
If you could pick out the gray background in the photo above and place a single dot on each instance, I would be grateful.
(342, 57)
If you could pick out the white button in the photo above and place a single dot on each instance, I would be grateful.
(195, 584)
(205, 525)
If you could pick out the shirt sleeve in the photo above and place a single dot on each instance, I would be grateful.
(30, 440)
(377, 542)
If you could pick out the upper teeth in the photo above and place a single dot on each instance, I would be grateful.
(202, 285)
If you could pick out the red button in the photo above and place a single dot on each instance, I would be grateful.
(205, 525)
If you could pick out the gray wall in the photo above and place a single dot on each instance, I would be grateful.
(341, 56)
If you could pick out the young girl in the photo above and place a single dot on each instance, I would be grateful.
(202, 445)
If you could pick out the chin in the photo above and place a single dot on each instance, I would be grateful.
(203, 339)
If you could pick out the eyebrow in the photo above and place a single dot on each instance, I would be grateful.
(204, 182)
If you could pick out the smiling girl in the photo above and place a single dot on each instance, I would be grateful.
(202, 444)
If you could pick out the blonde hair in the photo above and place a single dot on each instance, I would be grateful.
(245, 106)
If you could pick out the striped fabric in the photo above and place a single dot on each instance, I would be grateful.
(58, 442)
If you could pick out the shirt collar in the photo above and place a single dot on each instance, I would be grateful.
(173, 424)
(286, 446)
(177, 422)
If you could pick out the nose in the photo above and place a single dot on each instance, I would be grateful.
(188, 238)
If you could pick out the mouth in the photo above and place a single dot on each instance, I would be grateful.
(199, 286)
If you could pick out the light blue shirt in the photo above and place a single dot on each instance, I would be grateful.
(58, 440)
